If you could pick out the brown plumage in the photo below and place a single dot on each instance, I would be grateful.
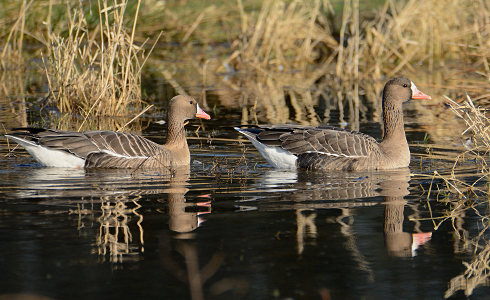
(109, 149)
(331, 148)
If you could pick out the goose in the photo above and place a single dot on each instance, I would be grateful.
(334, 149)
(109, 149)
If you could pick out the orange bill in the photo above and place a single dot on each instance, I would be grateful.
(202, 114)
(416, 94)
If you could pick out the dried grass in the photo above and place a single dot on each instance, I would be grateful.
(430, 32)
(11, 54)
(287, 55)
(477, 122)
(91, 69)
(463, 197)
(278, 50)
(294, 45)
(284, 37)
(12, 66)
(95, 72)
(477, 148)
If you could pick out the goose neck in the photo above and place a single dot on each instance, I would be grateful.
(393, 122)
(176, 133)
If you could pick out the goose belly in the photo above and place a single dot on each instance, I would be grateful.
(49, 157)
(56, 158)
(276, 156)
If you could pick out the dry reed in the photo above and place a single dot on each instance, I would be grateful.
(478, 124)
(12, 66)
(290, 56)
(293, 45)
(278, 50)
(95, 72)
(477, 148)
(91, 69)
(463, 197)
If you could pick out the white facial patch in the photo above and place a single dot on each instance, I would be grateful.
(415, 90)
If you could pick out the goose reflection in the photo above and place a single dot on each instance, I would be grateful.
(113, 199)
(187, 267)
(184, 217)
(307, 192)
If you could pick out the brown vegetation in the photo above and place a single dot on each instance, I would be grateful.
(95, 72)
(285, 59)
(292, 47)
(90, 71)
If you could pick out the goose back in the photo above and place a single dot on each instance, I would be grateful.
(323, 147)
(103, 149)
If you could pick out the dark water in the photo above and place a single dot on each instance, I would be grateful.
(236, 229)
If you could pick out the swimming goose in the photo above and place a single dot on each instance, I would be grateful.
(330, 148)
(109, 149)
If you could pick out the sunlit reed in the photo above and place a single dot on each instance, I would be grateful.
(95, 72)
(290, 51)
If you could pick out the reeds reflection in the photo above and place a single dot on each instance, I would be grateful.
(460, 200)
(114, 238)
(476, 273)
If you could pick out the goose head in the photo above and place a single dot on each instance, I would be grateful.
(184, 107)
(400, 90)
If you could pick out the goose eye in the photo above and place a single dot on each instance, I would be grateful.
(405, 85)
(191, 102)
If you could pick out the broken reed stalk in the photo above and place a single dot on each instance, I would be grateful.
(476, 120)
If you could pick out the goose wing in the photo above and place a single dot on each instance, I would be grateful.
(123, 144)
(324, 140)
(122, 150)
(83, 144)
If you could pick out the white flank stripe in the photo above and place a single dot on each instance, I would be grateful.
(124, 156)
(335, 154)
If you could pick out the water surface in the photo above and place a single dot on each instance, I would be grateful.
(233, 228)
